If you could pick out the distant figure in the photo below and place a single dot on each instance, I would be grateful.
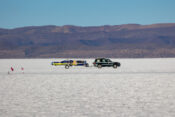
(22, 69)
(12, 69)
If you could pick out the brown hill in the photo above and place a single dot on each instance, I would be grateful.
(130, 40)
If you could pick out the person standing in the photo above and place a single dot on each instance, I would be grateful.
(12, 69)
(22, 69)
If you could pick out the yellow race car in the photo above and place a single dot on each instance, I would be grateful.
(65, 62)
(68, 63)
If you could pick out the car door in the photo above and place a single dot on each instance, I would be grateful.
(104, 62)
(110, 63)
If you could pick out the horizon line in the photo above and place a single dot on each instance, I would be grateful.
(84, 25)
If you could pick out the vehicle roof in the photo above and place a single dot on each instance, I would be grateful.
(101, 58)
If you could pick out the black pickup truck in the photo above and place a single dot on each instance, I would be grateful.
(104, 62)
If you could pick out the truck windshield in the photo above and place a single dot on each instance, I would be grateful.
(109, 60)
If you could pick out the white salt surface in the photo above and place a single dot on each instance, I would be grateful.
(139, 88)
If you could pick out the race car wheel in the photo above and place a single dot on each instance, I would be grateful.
(87, 65)
(66, 66)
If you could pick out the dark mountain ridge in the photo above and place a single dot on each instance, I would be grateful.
(125, 41)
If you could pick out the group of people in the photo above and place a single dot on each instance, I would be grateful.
(12, 70)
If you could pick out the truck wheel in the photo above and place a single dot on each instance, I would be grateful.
(99, 66)
(66, 66)
(87, 65)
(115, 66)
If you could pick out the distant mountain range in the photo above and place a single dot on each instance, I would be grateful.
(121, 41)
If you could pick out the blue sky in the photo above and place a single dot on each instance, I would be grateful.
(21, 13)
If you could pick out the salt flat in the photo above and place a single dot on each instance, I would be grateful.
(139, 88)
